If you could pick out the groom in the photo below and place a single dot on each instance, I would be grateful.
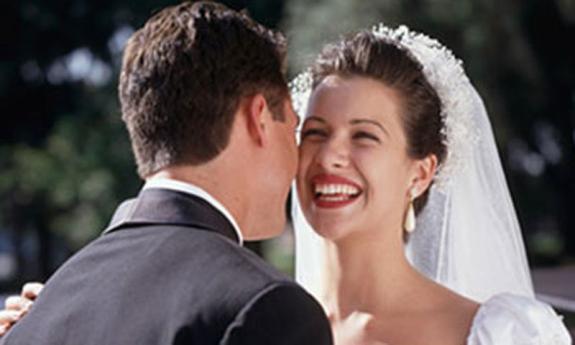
(205, 101)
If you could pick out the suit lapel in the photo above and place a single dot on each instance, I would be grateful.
(156, 206)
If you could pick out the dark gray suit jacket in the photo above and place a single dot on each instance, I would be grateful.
(169, 270)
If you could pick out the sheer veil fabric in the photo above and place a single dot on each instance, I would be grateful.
(467, 237)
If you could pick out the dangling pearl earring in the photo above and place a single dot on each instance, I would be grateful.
(409, 223)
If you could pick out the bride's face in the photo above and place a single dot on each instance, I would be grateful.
(354, 172)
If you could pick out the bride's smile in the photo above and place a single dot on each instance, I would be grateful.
(332, 191)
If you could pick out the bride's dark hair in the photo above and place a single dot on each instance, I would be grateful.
(366, 55)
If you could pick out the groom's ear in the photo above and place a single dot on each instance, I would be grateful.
(257, 115)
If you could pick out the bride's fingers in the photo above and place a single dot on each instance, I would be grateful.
(32, 290)
(7, 319)
(17, 303)
(15, 308)
(9, 316)
(4, 328)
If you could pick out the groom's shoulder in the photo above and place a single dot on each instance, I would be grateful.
(196, 254)
(270, 308)
(238, 262)
(257, 303)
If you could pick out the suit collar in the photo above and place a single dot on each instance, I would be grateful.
(168, 207)
(189, 188)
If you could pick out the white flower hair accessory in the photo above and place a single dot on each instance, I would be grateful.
(445, 74)
(300, 90)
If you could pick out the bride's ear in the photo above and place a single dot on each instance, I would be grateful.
(255, 109)
(423, 173)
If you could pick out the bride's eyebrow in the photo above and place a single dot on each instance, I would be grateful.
(369, 121)
(314, 118)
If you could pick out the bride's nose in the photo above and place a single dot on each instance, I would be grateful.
(333, 154)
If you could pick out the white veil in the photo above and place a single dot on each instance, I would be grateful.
(467, 236)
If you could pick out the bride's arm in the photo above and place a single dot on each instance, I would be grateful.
(16, 307)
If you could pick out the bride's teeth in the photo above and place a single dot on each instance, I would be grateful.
(332, 191)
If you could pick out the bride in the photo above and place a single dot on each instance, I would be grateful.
(406, 232)
(400, 177)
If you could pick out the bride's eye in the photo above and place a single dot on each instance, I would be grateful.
(366, 136)
(313, 133)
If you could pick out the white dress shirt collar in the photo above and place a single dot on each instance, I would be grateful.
(185, 187)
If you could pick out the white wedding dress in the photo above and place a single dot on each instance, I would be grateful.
(507, 319)
(467, 237)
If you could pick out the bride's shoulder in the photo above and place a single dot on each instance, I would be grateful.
(512, 319)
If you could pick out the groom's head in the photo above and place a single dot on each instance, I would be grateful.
(203, 94)
(184, 75)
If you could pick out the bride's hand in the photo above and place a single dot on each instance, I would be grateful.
(16, 307)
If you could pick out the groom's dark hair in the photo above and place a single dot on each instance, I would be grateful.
(183, 76)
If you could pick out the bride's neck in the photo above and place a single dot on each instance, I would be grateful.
(366, 274)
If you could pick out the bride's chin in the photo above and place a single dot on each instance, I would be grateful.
(331, 231)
